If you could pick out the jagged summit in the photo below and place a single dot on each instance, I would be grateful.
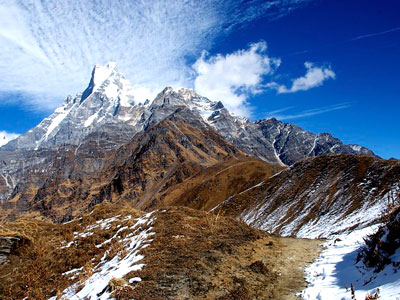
(101, 73)
(107, 80)
(187, 98)
(108, 99)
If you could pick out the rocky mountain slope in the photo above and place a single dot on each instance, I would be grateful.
(105, 117)
(209, 187)
(320, 196)
(162, 155)
(107, 100)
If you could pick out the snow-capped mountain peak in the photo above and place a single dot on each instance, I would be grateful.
(188, 98)
(108, 81)
(107, 108)
(102, 73)
(108, 99)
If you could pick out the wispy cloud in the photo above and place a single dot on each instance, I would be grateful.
(47, 48)
(277, 112)
(306, 113)
(343, 42)
(375, 34)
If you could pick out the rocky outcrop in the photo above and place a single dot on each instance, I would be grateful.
(381, 247)
(8, 246)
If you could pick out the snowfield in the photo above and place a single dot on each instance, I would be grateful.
(331, 275)
(97, 285)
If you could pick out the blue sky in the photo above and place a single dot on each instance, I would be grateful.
(350, 88)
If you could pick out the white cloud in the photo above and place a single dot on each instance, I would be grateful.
(233, 77)
(47, 48)
(314, 77)
(5, 137)
(142, 94)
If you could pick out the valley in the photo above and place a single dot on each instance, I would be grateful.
(177, 198)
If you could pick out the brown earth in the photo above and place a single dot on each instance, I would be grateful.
(35, 269)
(193, 255)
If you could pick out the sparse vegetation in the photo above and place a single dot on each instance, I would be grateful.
(193, 255)
(196, 255)
(384, 243)
(36, 271)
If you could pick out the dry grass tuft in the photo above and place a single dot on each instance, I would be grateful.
(35, 271)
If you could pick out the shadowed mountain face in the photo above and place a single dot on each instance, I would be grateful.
(381, 247)
(162, 155)
(319, 196)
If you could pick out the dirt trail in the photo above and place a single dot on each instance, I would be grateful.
(196, 255)
(280, 260)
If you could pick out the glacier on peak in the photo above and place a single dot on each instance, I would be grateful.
(101, 73)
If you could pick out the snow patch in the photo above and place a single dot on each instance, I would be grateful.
(356, 148)
(10, 186)
(336, 269)
(334, 221)
(90, 120)
(96, 286)
(61, 112)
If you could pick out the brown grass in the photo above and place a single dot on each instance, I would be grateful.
(324, 175)
(36, 271)
(193, 255)
(196, 255)
(209, 187)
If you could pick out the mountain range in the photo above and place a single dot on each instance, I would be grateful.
(227, 181)
(106, 115)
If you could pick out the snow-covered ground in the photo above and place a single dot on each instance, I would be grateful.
(335, 269)
(96, 286)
